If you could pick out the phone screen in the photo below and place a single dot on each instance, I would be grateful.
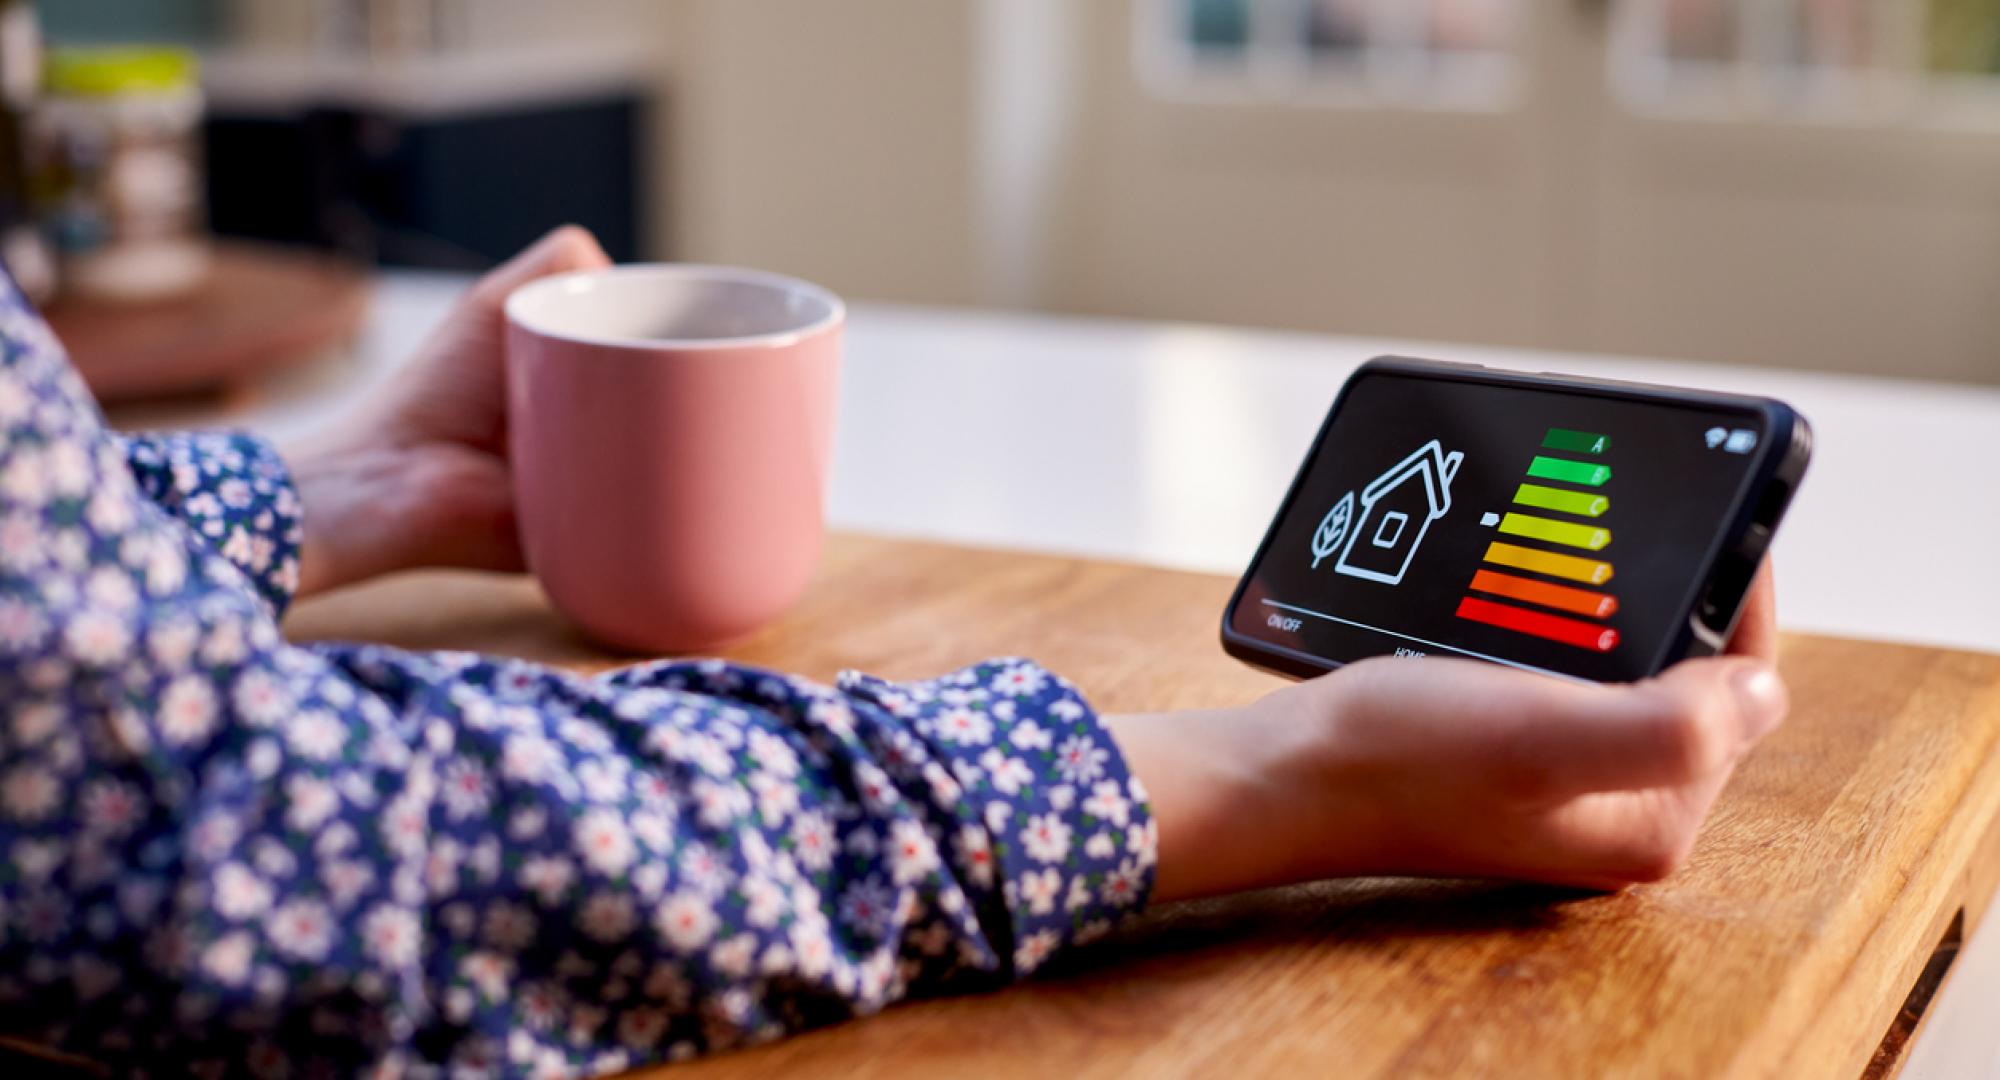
(1552, 530)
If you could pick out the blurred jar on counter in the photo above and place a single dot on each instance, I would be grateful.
(115, 146)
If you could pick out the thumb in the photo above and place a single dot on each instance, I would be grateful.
(1748, 691)
(1692, 722)
(570, 247)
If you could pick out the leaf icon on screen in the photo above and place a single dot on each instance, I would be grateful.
(1333, 529)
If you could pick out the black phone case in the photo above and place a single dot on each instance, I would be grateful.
(1729, 564)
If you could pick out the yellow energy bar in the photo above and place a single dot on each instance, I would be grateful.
(1566, 533)
(1586, 503)
(1590, 571)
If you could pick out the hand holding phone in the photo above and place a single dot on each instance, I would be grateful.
(1455, 768)
(1593, 530)
(1464, 768)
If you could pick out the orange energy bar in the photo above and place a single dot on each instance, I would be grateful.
(1560, 597)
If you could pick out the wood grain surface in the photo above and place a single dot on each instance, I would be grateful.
(1834, 864)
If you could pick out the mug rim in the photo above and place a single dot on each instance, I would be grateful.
(836, 308)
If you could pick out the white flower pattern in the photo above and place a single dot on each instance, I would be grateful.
(232, 853)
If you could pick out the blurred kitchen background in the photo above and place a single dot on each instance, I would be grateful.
(1795, 183)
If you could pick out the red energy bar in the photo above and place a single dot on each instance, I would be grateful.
(1583, 635)
(1596, 605)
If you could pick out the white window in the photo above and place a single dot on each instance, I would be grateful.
(1391, 529)
(1441, 54)
(1840, 61)
(1804, 183)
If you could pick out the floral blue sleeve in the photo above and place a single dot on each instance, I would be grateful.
(224, 852)
(234, 492)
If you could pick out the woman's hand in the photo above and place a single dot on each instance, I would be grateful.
(418, 476)
(1455, 768)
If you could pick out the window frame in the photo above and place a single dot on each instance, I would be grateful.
(1275, 68)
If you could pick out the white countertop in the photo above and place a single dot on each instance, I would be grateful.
(1172, 445)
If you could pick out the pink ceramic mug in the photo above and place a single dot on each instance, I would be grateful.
(670, 429)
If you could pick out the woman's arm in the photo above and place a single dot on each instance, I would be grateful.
(215, 846)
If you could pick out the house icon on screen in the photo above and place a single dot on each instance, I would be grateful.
(1396, 511)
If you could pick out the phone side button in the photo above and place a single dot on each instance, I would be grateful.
(1710, 639)
(1777, 496)
(1756, 540)
(1718, 605)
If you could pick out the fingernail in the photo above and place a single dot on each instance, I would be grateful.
(1760, 695)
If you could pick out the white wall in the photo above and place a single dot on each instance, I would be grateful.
(831, 140)
(1002, 152)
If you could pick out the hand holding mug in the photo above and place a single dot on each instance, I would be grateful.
(419, 475)
(653, 442)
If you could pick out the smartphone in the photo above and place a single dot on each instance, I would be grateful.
(1588, 529)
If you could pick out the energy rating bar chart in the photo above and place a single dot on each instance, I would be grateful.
(1571, 567)
(1587, 473)
(1581, 503)
(1547, 594)
(1568, 517)
(1575, 632)
(1567, 533)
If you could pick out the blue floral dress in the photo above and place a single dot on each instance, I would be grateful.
(223, 853)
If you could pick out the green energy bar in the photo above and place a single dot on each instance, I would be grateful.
(1569, 472)
(1576, 442)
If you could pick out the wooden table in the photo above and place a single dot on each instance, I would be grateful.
(260, 309)
(1853, 847)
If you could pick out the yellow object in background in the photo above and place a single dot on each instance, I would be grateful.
(116, 160)
(111, 72)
